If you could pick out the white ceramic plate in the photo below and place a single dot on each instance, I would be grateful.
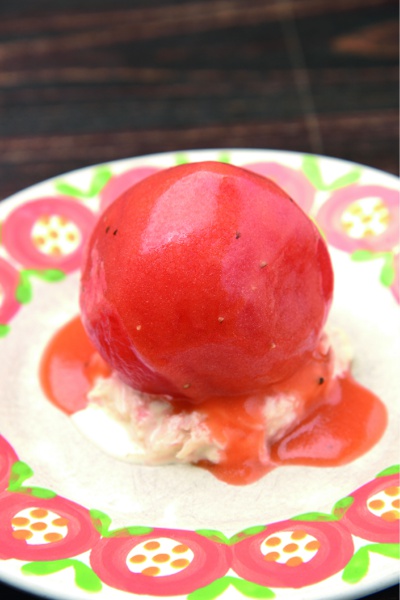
(41, 450)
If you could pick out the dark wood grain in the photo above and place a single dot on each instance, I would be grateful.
(85, 82)
(88, 81)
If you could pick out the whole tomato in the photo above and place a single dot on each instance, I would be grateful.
(205, 279)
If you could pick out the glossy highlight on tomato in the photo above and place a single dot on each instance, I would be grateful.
(205, 279)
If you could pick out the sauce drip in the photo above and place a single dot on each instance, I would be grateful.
(339, 419)
(69, 368)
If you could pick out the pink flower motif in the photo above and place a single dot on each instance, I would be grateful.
(7, 458)
(257, 559)
(293, 182)
(48, 233)
(9, 279)
(193, 561)
(361, 217)
(70, 533)
(373, 514)
(118, 184)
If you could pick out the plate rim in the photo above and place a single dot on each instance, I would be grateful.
(37, 587)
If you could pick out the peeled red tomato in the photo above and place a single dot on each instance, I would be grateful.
(205, 280)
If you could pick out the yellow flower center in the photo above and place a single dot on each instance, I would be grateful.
(366, 217)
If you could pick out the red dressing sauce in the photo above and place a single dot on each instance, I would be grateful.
(339, 420)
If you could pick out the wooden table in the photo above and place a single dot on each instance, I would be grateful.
(88, 81)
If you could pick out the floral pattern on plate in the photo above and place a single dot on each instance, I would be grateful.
(48, 534)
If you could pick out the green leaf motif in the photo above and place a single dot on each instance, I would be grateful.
(251, 590)
(393, 470)
(139, 530)
(20, 472)
(181, 159)
(47, 567)
(224, 157)
(345, 180)
(85, 578)
(24, 291)
(214, 535)
(211, 591)
(314, 516)
(312, 171)
(101, 176)
(389, 550)
(357, 567)
(49, 275)
(66, 189)
(242, 535)
(216, 588)
(100, 521)
(4, 330)
(341, 506)
(39, 492)
(362, 255)
(388, 273)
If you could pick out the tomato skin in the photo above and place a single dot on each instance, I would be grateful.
(205, 279)
(293, 181)
(120, 183)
